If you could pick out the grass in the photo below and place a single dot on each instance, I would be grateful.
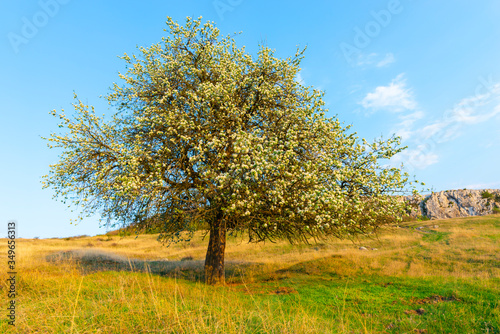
(423, 277)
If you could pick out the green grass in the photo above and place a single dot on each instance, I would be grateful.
(442, 278)
(435, 236)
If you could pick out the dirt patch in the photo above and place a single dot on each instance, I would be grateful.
(419, 311)
(284, 290)
(385, 285)
(434, 300)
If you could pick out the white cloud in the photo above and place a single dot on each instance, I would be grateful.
(421, 160)
(389, 59)
(408, 120)
(432, 129)
(421, 134)
(404, 134)
(364, 60)
(468, 111)
(494, 185)
(394, 97)
(375, 59)
(416, 158)
(477, 109)
(404, 128)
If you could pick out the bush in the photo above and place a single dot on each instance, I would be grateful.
(486, 194)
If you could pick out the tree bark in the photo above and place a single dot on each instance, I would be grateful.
(214, 261)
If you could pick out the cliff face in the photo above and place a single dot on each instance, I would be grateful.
(455, 203)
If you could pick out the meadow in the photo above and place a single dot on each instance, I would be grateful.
(439, 276)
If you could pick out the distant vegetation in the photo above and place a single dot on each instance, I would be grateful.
(486, 194)
(439, 276)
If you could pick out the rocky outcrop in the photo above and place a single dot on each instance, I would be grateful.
(455, 203)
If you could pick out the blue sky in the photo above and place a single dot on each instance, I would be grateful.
(428, 71)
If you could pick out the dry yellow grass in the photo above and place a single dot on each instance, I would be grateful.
(394, 255)
(65, 281)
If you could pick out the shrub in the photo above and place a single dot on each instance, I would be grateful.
(486, 194)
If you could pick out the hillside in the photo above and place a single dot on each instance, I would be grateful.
(439, 276)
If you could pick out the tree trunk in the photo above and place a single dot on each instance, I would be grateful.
(214, 262)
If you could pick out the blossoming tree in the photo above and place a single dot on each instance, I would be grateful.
(207, 136)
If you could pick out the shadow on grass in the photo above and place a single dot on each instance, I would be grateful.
(91, 261)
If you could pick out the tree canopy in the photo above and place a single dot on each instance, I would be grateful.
(205, 135)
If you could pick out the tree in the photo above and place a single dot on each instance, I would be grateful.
(205, 135)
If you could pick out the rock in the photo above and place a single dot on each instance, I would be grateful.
(363, 248)
(454, 203)
(420, 311)
(414, 205)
